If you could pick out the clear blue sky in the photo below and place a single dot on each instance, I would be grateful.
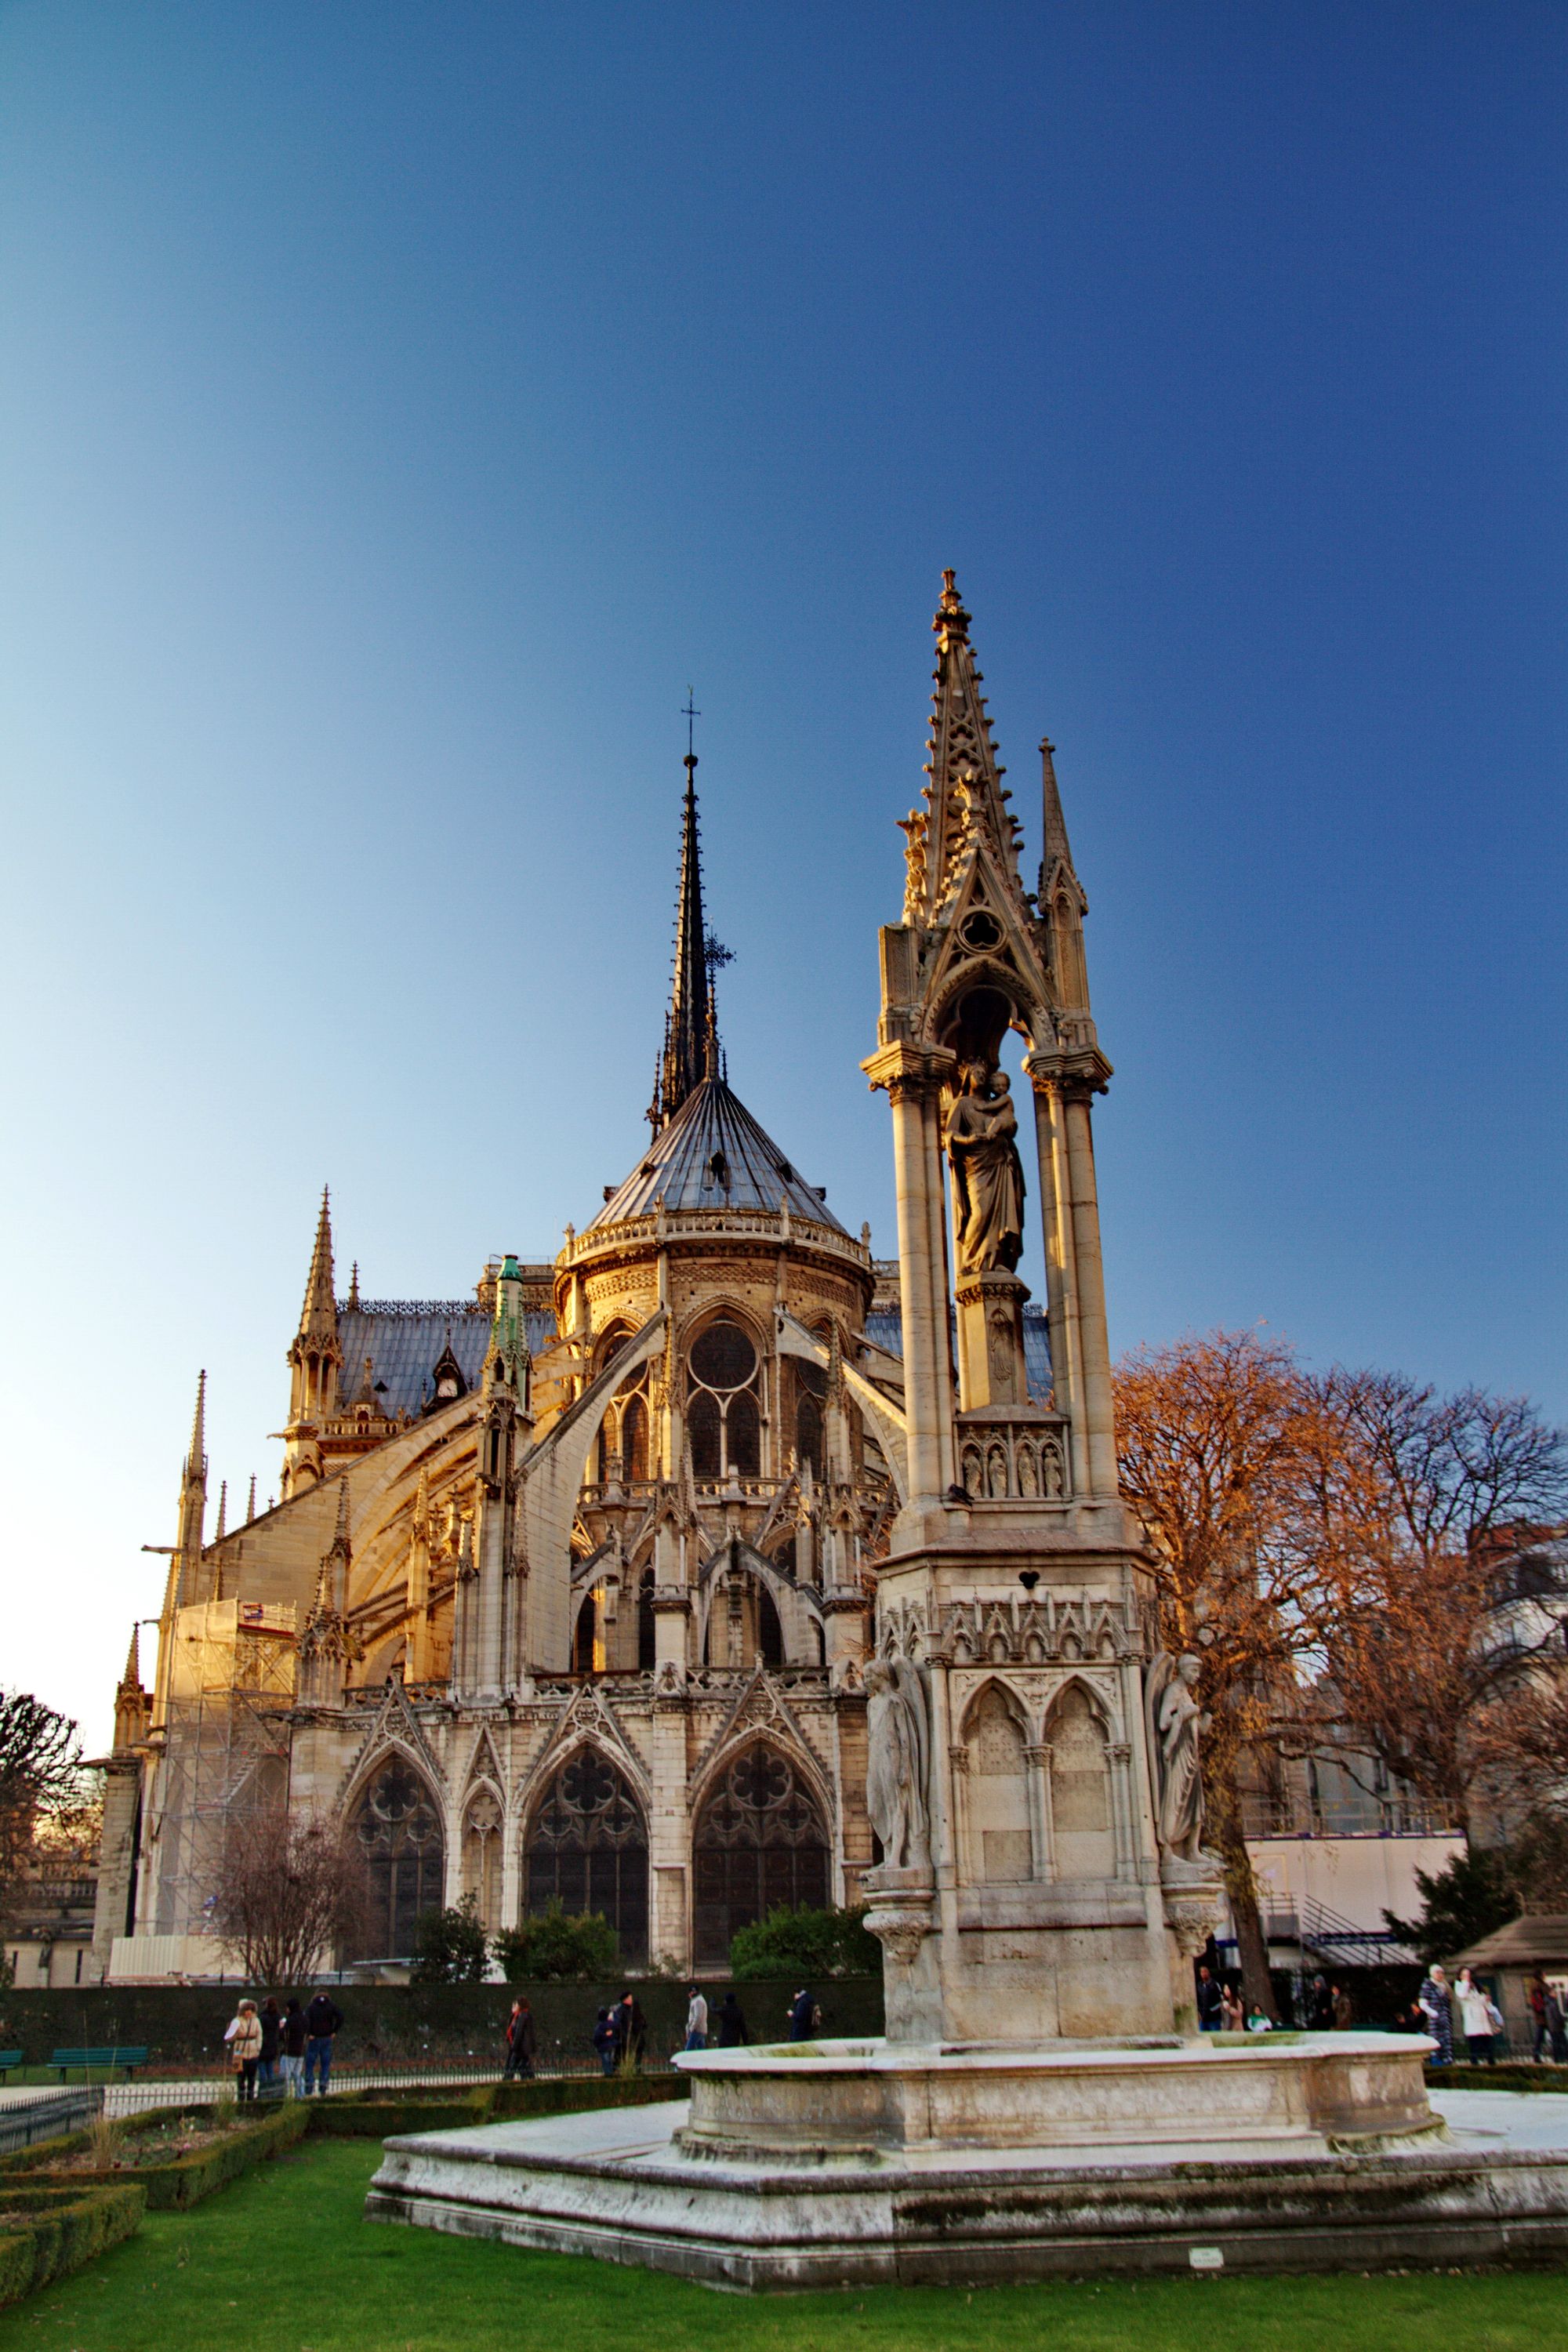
(402, 404)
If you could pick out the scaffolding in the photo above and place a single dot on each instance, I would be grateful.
(231, 1680)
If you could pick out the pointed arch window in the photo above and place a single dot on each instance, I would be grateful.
(760, 1844)
(723, 1419)
(398, 1829)
(587, 1849)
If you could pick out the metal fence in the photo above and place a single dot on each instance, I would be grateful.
(199, 2086)
(29, 2115)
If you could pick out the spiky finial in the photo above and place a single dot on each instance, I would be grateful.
(684, 1062)
(250, 1505)
(196, 1459)
(222, 1513)
(320, 1313)
(130, 1680)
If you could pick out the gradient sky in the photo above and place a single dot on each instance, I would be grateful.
(401, 405)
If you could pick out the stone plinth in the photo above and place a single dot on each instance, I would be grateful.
(872, 2210)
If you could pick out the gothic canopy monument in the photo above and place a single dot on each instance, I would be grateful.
(1033, 1760)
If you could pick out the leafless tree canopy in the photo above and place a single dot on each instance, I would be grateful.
(40, 1777)
(289, 1895)
(1329, 1545)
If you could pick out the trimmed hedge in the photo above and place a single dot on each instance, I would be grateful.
(377, 2118)
(1497, 2078)
(174, 2182)
(381, 2115)
(64, 2228)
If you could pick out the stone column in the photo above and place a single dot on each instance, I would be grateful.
(1094, 1342)
(912, 1079)
(1061, 1270)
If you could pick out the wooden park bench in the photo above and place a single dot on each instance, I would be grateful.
(9, 2061)
(110, 2057)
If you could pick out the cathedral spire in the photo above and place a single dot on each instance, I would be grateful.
(965, 799)
(319, 1316)
(690, 1032)
(196, 1459)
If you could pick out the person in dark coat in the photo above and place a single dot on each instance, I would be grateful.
(802, 2016)
(272, 2046)
(604, 2038)
(1321, 2013)
(1437, 2015)
(1211, 2005)
(324, 2023)
(521, 2042)
(631, 2031)
(732, 2033)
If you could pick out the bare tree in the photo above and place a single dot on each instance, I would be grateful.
(289, 1895)
(40, 1777)
(1215, 1434)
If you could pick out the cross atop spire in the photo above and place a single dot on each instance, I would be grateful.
(691, 1030)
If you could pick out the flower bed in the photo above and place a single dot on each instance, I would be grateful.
(174, 2167)
(1497, 2078)
(46, 2233)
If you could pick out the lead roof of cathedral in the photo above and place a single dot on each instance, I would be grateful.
(405, 1350)
(713, 1155)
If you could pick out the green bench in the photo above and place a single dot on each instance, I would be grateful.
(9, 2061)
(108, 2056)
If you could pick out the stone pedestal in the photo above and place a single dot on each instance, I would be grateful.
(991, 1371)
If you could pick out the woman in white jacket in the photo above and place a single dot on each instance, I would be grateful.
(1478, 2019)
(243, 2035)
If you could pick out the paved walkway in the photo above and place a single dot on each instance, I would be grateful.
(1514, 2119)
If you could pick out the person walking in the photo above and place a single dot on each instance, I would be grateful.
(1535, 1995)
(243, 2035)
(1436, 2008)
(804, 2016)
(1211, 2003)
(521, 2042)
(1475, 2015)
(697, 2020)
(631, 2033)
(272, 2043)
(324, 2023)
(1320, 2009)
(1344, 2008)
(291, 2062)
(732, 2033)
(604, 2041)
(1557, 2026)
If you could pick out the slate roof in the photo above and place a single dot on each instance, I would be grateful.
(713, 1155)
(405, 1350)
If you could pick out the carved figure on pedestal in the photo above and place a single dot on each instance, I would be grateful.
(898, 1744)
(988, 1173)
(1176, 1723)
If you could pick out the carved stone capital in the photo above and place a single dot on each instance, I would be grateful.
(1073, 1076)
(900, 1913)
(958, 1757)
(905, 1072)
(671, 1600)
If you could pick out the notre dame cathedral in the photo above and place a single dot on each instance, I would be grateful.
(569, 1585)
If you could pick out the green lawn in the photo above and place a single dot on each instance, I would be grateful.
(283, 2263)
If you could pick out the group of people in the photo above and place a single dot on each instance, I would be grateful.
(1221, 2009)
(283, 2054)
(1481, 2022)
